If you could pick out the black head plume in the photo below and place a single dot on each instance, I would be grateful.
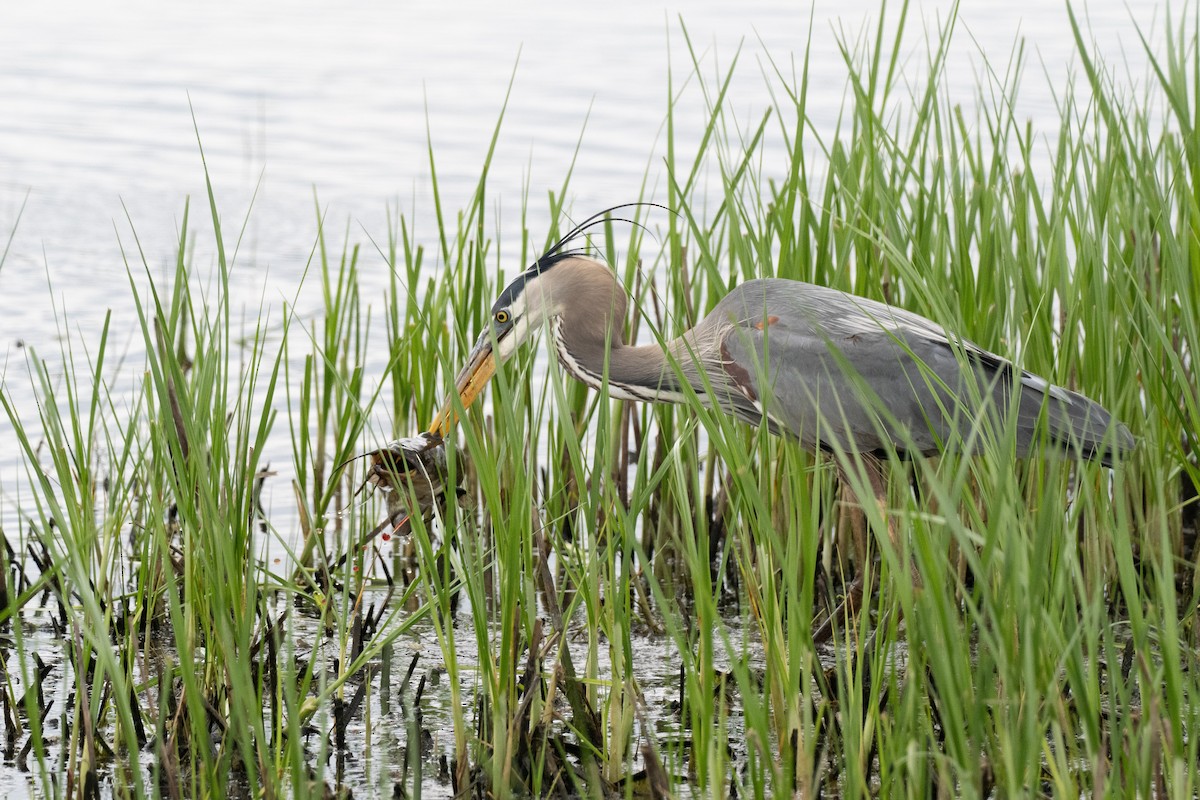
(560, 250)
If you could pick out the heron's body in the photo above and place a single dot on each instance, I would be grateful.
(829, 368)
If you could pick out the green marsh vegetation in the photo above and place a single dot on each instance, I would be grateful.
(625, 599)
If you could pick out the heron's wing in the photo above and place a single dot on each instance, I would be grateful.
(844, 315)
(823, 364)
(859, 391)
(1070, 418)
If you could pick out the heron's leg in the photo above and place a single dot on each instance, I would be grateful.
(852, 523)
(957, 558)
(874, 469)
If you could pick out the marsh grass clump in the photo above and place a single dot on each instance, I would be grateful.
(604, 598)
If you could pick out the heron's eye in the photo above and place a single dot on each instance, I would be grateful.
(502, 317)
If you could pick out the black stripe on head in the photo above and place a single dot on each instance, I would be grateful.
(514, 289)
(560, 251)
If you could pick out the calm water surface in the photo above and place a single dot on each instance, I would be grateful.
(97, 108)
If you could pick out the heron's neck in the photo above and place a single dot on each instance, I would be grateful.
(632, 372)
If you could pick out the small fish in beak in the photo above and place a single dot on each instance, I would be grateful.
(419, 462)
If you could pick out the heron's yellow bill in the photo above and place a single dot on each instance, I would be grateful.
(481, 366)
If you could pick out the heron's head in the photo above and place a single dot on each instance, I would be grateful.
(534, 297)
(563, 276)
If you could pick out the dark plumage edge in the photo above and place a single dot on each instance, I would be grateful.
(559, 251)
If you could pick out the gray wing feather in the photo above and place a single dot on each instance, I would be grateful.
(833, 368)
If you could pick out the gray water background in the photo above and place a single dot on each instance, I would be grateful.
(100, 107)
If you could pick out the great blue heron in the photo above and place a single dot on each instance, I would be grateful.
(831, 369)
